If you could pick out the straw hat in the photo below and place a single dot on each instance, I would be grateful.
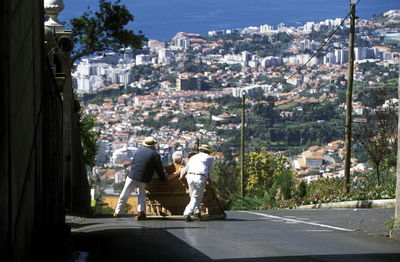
(205, 148)
(149, 142)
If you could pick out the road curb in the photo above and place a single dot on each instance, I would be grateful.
(380, 203)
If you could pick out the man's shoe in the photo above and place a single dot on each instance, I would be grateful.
(115, 215)
(198, 215)
(188, 219)
(141, 216)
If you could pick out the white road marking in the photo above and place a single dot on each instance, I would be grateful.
(318, 230)
(304, 219)
(273, 220)
(297, 221)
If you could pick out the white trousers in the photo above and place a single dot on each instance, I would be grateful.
(196, 184)
(123, 198)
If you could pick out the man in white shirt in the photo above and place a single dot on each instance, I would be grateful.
(197, 173)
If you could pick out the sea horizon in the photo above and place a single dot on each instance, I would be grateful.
(161, 20)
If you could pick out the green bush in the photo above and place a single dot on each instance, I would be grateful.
(301, 189)
(324, 189)
(332, 190)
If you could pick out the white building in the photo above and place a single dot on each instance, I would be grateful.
(308, 44)
(233, 59)
(330, 58)
(251, 30)
(103, 152)
(342, 56)
(282, 27)
(332, 23)
(232, 31)
(93, 73)
(88, 83)
(123, 154)
(142, 59)
(217, 32)
(83, 84)
(266, 28)
(309, 26)
(253, 63)
(248, 91)
(83, 68)
(300, 59)
(360, 53)
(271, 61)
(181, 43)
(164, 56)
(246, 56)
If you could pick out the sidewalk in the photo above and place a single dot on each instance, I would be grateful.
(380, 203)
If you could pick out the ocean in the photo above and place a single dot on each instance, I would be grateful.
(162, 19)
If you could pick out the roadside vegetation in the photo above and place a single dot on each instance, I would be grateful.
(271, 184)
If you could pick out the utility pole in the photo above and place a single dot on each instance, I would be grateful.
(396, 226)
(349, 94)
(242, 133)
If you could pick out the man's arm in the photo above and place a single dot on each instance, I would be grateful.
(159, 168)
(173, 175)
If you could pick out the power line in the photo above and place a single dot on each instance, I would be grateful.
(319, 49)
(312, 56)
(239, 104)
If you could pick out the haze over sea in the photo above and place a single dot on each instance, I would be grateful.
(162, 19)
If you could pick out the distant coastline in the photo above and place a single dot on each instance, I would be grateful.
(161, 20)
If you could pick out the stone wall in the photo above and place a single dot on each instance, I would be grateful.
(31, 181)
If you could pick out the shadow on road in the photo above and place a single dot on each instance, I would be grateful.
(156, 244)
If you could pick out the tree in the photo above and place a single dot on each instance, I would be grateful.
(95, 33)
(378, 136)
(88, 138)
(283, 37)
(226, 177)
(139, 71)
(268, 172)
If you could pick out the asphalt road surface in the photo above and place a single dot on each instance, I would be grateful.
(274, 235)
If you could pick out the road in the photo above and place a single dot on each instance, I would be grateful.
(272, 235)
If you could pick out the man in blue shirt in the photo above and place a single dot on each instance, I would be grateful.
(145, 163)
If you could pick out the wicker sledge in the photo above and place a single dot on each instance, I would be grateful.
(171, 197)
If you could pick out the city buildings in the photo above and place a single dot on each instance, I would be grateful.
(175, 75)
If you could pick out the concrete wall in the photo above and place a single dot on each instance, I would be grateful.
(31, 182)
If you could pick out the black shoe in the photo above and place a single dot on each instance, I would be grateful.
(188, 219)
(141, 216)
